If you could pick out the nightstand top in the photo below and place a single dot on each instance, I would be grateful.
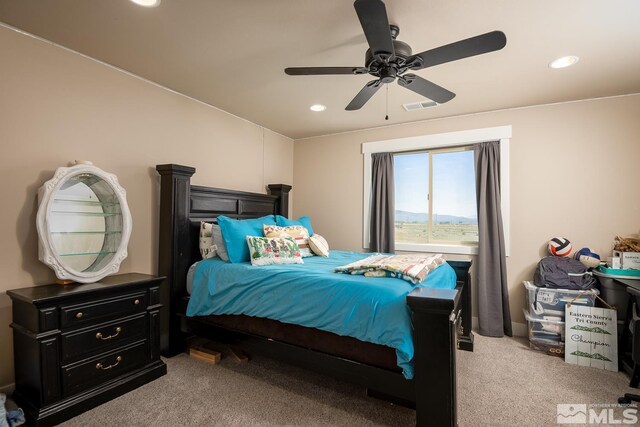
(52, 293)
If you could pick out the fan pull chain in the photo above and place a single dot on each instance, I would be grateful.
(387, 110)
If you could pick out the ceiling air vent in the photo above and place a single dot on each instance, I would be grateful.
(419, 105)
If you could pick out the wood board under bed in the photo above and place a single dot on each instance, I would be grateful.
(441, 317)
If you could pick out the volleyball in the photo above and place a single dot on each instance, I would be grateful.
(559, 246)
(587, 258)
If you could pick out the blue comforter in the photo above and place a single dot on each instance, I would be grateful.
(312, 295)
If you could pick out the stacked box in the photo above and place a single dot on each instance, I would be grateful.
(546, 316)
(546, 334)
(545, 302)
(628, 260)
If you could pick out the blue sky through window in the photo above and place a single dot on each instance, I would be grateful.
(453, 183)
(411, 178)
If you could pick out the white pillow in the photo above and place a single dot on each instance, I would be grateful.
(207, 247)
(319, 245)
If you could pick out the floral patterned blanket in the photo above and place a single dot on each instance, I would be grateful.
(413, 268)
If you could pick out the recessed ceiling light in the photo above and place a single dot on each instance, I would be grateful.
(147, 3)
(317, 107)
(564, 62)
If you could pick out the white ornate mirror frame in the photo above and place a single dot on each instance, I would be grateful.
(83, 223)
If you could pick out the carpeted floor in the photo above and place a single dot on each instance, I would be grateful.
(502, 383)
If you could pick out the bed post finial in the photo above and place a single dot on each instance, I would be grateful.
(282, 192)
(174, 236)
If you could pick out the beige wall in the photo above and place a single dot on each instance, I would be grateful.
(574, 173)
(57, 106)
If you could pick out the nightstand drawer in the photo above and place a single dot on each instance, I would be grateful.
(101, 337)
(104, 367)
(72, 315)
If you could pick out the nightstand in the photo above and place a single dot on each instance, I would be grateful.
(78, 346)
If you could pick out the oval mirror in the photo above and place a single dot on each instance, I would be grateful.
(84, 223)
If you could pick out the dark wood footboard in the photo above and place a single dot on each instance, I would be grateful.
(441, 318)
(437, 333)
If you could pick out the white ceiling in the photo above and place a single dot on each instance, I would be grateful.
(231, 53)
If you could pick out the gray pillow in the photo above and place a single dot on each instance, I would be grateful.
(221, 247)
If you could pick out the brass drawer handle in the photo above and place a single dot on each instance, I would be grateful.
(104, 368)
(79, 315)
(100, 337)
(136, 302)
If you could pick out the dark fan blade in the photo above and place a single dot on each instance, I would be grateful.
(364, 95)
(426, 88)
(477, 45)
(311, 71)
(375, 24)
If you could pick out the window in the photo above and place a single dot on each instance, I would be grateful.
(440, 191)
(435, 197)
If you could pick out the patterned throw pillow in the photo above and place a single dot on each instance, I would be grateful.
(297, 232)
(304, 221)
(319, 245)
(273, 250)
(207, 248)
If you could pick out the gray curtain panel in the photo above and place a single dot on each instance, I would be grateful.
(493, 295)
(382, 226)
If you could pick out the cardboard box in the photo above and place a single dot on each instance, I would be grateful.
(628, 260)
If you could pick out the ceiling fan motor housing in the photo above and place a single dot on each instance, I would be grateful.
(402, 52)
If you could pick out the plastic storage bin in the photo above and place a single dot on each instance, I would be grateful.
(546, 334)
(544, 302)
(615, 294)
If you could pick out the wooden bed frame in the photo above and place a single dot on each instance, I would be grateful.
(441, 317)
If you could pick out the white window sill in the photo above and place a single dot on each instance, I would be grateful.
(437, 248)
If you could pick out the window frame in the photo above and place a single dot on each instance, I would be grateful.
(431, 143)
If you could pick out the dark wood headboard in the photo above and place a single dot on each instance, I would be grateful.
(182, 207)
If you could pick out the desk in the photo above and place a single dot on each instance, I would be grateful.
(632, 283)
(625, 345)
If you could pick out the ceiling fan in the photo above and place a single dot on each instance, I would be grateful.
(389, 59)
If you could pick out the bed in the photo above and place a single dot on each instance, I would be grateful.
(440, 318)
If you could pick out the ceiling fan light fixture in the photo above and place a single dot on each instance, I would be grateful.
(318, 107)
(564, 62)
(147, 3)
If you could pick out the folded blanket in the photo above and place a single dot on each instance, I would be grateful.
(413, 268)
